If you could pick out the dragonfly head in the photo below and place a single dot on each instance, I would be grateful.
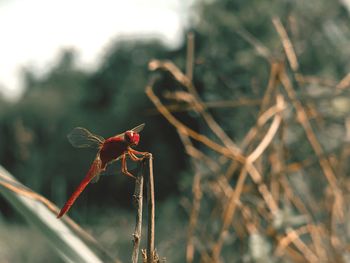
(132, 137)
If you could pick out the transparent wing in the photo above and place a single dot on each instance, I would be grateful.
(81, 138)
(96, 179)
(138, 128)
(135, 129)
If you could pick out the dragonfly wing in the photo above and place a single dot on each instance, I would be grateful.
(96, 178)
(81, 138)
(94, 171)
(138, 128)
(135, 129)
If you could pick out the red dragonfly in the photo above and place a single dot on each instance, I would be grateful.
(109, 150)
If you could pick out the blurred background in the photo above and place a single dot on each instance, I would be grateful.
(65, 64)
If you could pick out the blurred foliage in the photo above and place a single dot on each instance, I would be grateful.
(107, 102)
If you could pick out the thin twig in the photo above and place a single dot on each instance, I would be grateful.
(337, 213)
(257, 178)
(196, 188)
(197, 195)
(229, 213)
(344, 83)
(151, 212)
(190, 55)
(229, 151)
(197, 102)
(305, 123)
(264, 114)
(138, 198)
(260, 48)
(290, 237)
(271, 132)
(186, 130)
(287, 44)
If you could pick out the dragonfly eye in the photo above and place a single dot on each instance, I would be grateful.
(132, 137)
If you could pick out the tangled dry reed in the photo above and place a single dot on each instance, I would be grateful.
(254, 194)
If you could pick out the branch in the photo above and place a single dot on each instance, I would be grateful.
(197, 102)
(287, 44)
(151, 212)
(187, 131)
(138, 194)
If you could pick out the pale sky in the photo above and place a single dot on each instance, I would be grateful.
(33, 31)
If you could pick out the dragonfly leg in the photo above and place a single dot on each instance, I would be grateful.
(133, 154)
(125, 168)
(134, 157)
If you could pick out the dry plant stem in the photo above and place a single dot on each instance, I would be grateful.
(260, 49)
(257, 178)
(343, 84)
(308, 254)
(304, 121)
(301, 113)
(337, 210)
(255, 175)
(151, 212)
(186, 130)
(229, 213)
(290, 237)
(138, 199)
(247, 221)
(297, 202)
(231, 169)
(190, 55)
(193, 134)
(287, 44)
(270, 134)
(276, 168)
(271, 87)
(305, 79)
(210, 104)
(144, 255)
(199, 105)
(199, 155)
(295, 255)
(227, 151)
(247, 215)
(344, 153)
(263, 118)
(316, 235)
(197, 196)
(223, 150)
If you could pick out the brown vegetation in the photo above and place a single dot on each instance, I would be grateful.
(253, 189)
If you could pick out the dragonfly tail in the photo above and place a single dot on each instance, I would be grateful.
(94, 170)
